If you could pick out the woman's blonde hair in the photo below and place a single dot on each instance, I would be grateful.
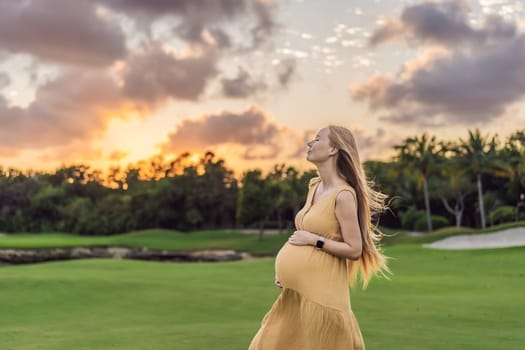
(369, 204)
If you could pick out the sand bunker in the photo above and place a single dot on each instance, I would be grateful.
(513, 237)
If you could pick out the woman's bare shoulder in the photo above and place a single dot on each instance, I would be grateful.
(346, 194)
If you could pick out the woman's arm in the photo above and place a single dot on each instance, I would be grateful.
(346, 213)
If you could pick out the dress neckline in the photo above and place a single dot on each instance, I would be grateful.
(311, 201)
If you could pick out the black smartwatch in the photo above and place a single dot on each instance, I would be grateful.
(320, 243)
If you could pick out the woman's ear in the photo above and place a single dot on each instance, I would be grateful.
(333, 151)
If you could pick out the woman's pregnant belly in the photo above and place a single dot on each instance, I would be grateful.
(317, 275)
(295, 265)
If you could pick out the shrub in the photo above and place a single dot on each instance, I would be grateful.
(438, 222)
(410, 217)
(504, 213)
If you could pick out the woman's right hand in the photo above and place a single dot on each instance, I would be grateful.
(278, 283)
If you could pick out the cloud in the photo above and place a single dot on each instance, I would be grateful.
(252, 130)
(117, 155)
(75, 106)
(4, 80)
(266, 24)
(286, 71)
(78, 103)
(392, 30)
(443, 23)
(249, 127)
(220, 38)
(473, 76)
(380, 91)
(426, 58)
(243, 85)
(198, 18)
(155, 74)
(261, 152)
(94, 77)
(192, 11)
(78, 152)
(374, 145)
(300, 143)
(9, 152)
(60, 31)
(459, 87)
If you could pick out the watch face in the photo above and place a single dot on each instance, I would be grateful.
(319, 244)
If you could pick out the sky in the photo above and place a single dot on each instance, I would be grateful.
(112, 82)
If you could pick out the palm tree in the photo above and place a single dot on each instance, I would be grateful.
(422, 155)
(514, 153)
(478, 155)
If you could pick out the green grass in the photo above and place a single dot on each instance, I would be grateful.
(435, 300)
(217, 239)
(153, 239)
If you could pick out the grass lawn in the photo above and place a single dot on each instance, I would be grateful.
(436, 300)
(217, 239)
(153, 239)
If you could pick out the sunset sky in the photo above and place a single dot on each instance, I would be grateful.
(115, 81)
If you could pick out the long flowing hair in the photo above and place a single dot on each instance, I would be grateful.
(369, 204)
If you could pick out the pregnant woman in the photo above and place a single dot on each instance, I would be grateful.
(334, 241)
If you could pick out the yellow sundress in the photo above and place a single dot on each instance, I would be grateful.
(313, 311)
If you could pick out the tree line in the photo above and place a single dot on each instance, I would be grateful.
(432, 183)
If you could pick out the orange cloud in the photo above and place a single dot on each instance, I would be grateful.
(117, 155)
(250, 138)
(75, 106)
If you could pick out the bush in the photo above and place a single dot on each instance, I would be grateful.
(113, 215)
(13, 223)
(504, 213)
(438, 222)
(80, 216)
(410, 217)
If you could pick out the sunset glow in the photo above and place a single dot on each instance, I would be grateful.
(253, 81)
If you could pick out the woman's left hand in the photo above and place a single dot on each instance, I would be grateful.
(302, 238)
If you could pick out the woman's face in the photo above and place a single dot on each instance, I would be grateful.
(319, 149)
